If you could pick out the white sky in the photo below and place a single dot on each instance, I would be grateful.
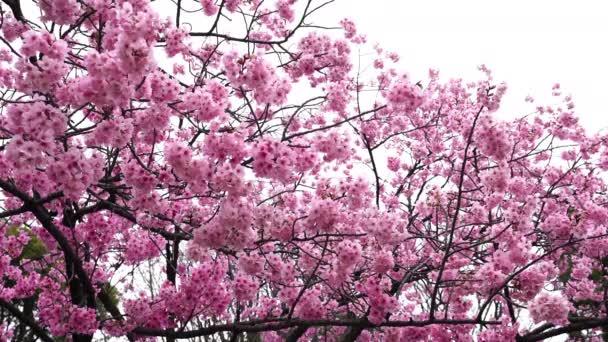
(530, 44)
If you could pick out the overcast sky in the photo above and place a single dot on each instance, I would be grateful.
(529, 44)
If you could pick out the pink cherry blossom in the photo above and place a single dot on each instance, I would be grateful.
(213, 178)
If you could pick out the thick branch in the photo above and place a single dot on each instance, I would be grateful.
(37, 329)
(574, 327)
(15, 6)
(71, 257)
(281, 325)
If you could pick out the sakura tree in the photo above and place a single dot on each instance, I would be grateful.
(230, 170)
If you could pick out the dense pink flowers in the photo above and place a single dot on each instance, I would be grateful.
(256, 185)
(334, 146)
(176, 40)
(232, 5)
(46, 74)
(74, 172)
(285, 10)
(251, 72)
(208, 103)
(273, 160)
(133, 55)
(116, 132)
(209, 7)
(404, 95)
(552, 308)
(383, 261)
(61, 12)
(321, 59)
(380, 302)
(12, 28)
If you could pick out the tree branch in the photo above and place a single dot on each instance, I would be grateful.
(37, 329)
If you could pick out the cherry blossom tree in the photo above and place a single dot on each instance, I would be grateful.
(230, 170)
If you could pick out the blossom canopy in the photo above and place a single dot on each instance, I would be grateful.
(234, 171)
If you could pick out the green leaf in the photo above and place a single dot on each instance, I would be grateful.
(596, 275)
(114, 295)
(254, 337)
(35, 248)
